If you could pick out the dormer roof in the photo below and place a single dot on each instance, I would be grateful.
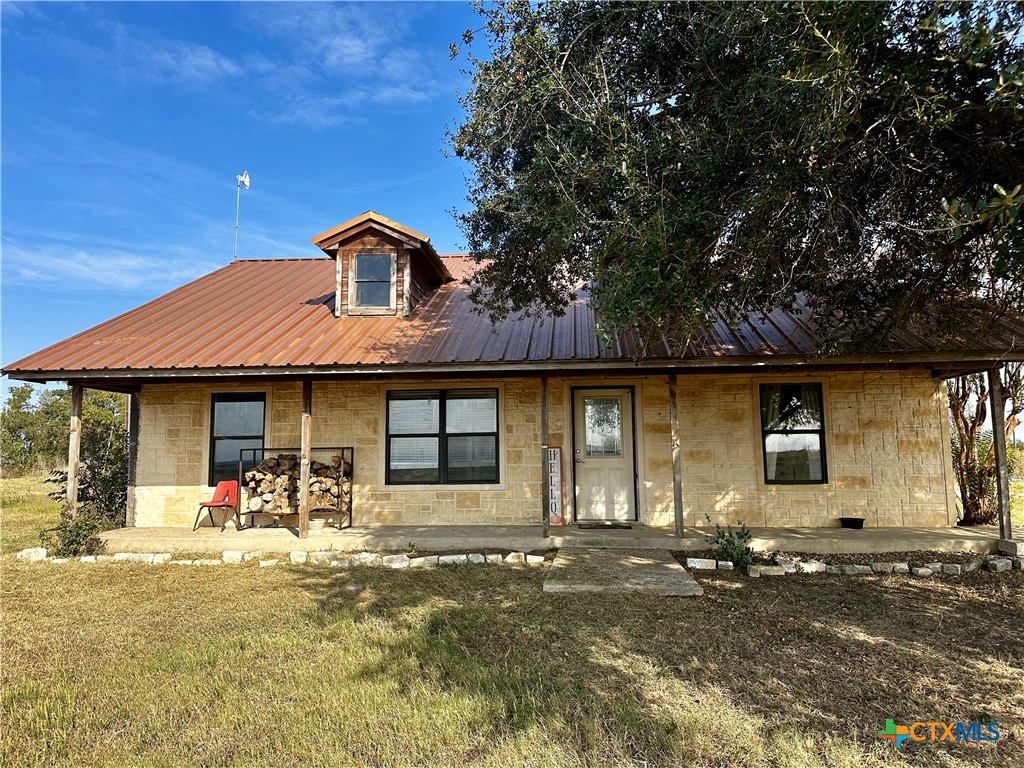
(331, 240)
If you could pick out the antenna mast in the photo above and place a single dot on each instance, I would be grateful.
(243, 181)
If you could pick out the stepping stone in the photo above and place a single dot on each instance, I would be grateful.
(650, 571)
(32, 555)
(701, 564)
(423, 562)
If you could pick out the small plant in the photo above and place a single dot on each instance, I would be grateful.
(731, 545)
(75, 534)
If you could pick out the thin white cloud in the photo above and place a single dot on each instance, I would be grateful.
(348, 57)
(177, 61)
(321, 66)
(109, 269)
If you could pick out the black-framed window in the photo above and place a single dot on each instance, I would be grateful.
(442, 436)
(793, 434)
(371, 280)
(236, 422)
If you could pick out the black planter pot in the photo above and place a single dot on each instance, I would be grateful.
(855, 523)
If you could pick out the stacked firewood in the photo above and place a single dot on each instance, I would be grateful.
(274, 485)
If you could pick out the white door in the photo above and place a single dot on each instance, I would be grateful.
(603, 454)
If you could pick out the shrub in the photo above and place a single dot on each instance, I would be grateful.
(75, 535)
(731, 545)
(102, 495)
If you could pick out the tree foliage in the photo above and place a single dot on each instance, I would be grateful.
(34, 430)
(683, 158)
(34, 425)
(973, 450)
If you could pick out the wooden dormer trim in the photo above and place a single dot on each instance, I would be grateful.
(416, 268)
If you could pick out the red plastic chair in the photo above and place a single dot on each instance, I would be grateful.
(225, 496)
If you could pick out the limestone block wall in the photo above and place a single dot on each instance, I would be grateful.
(886, 442)
(353, 414)
(887, 449)
(174, 435)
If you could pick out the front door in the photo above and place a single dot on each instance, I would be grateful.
(603, 454)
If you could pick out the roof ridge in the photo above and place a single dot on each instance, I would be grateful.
(322, 257)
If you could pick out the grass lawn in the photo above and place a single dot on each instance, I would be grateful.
(25, 510)
(1017, 503)
(126, 665)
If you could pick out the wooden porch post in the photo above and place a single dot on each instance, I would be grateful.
(306, 440)
(998, 407)
(133, 456)
(544, 454)
(74, 447)
(677, 469)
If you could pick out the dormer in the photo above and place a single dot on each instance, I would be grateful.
(383, 268)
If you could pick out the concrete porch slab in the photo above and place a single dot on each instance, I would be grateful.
(650, 571)
(528, 538)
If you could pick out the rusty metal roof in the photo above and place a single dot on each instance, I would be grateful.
(278, 314)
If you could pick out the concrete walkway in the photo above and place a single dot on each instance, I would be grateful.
(822, 541)
(651, 571)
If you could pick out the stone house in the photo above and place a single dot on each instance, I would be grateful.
(375, 346)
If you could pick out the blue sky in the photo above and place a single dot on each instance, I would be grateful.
(125, 124)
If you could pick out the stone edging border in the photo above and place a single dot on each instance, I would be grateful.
(992, 564)
(299, 557)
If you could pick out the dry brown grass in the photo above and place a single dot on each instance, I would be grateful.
(161, 665)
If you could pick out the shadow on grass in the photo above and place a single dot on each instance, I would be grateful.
(636, 677)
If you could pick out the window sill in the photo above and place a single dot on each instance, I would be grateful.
(443, 487)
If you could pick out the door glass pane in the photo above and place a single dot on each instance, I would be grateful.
(236, 418)
(373, 294)
(603, 426)
(792, 458)
(373, 266)
(473, 414)
(413, 460)
(413, 416)
(225, 457)
(472, 459)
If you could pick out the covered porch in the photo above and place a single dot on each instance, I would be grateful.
(527, 538)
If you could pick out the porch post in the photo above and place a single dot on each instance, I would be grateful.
(998, 406)
(133, 456)
(544, 455)
(306, 440)
(74, 447)
(677, 469)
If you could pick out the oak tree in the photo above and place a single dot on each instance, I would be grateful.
(863, 161)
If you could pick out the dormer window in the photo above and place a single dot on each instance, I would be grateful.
(373, 283)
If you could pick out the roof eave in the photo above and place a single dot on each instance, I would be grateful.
(981, 360)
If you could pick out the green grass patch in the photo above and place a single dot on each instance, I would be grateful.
(1017, 503)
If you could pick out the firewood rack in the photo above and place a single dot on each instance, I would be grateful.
(250, 458)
